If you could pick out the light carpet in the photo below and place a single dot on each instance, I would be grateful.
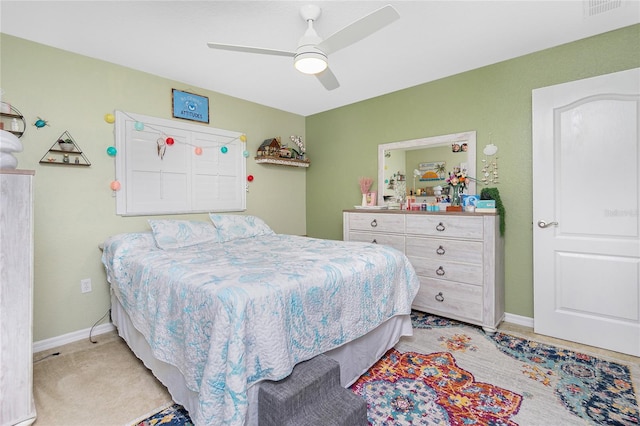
(449, 373)
(101, 384)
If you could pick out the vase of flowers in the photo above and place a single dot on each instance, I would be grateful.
(365, 186)
(457, 181)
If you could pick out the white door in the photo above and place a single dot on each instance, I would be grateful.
(586, 195)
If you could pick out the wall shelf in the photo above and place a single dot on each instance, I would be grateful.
(282, 161)
(7, 118)
(72, 156)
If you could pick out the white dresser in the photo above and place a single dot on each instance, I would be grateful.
(459, 258)
(16, 298)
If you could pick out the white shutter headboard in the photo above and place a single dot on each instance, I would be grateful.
(192, 175)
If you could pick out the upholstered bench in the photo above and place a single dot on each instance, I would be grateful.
(310, 396)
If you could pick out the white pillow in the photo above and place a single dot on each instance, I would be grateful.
(172, 234)
(233, 227)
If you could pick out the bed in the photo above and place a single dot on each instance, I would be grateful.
(214, 308)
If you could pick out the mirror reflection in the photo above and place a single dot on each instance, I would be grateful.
(418, 168)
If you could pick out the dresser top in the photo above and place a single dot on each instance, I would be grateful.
(17, 172)
(419, 212)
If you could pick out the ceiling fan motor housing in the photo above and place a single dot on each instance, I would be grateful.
(308, 58)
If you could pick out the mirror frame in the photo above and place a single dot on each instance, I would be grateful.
(465, 137)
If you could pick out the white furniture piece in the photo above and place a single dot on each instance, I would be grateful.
(16, 297)
(459, 258)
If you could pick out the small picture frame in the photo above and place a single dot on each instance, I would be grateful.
(189, 106)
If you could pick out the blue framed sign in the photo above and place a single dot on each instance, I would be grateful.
(190, 106)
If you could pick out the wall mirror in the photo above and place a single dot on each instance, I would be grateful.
(397, 162)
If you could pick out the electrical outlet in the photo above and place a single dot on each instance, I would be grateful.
(85, 285)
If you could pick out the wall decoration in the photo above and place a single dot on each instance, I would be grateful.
(182, 162)
(435, 170)
(189, 106)
(62, 150)
(490, 165)
(12, 120)
(40, 123)
(272, 152)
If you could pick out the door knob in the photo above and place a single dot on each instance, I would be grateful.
(543, 224)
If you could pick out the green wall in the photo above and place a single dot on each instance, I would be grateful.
(493, 100)
(74, 207)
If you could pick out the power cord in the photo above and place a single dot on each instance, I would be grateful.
(47, 356)
(94, 325)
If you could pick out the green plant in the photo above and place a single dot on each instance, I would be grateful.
(494, 194)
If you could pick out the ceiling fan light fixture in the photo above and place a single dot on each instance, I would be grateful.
(310, 62)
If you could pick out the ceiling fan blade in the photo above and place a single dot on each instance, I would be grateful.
(249, 49)
(328, 79)
(359, 29)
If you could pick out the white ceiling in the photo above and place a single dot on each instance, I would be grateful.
(431, 40)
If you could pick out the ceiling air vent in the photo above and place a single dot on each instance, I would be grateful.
(596, 7)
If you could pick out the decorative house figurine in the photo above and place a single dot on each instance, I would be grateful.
(271, 151)
(269, 148)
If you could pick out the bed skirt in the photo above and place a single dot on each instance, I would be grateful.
(355, 357)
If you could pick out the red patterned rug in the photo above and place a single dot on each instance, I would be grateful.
(413, 388)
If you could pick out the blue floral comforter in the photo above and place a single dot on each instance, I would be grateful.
(228, 315)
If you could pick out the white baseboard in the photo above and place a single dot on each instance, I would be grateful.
(54, 342)
(518, 320)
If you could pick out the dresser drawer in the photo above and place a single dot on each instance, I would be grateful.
(468, 273)
(395, 241)
(446, 226)
(377, 222)
(436, 248)
(449, 299)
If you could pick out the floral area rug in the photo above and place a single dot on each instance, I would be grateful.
(450, 373)
(174, 415)
(415, 389)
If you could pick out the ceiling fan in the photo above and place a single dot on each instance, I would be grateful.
(311, 55)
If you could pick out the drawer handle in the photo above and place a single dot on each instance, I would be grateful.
(440, 250)
(440, 227)
(374, 241)
(374, 223)
(440, 271)
(439, 297)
